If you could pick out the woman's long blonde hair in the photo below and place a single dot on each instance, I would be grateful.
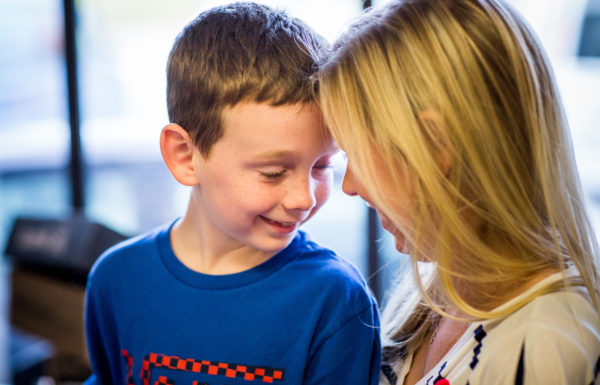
(422, 79)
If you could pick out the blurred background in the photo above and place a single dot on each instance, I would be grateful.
(82, 103)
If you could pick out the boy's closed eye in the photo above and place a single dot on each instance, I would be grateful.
(275, 174)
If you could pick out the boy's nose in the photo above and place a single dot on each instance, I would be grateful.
(300, 195)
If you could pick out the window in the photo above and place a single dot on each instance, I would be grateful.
(34, 132)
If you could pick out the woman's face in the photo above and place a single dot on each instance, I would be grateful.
(352, 186)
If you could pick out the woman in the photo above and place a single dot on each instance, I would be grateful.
(455, 134)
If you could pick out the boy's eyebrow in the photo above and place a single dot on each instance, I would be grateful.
(275, 154)
(280, 155)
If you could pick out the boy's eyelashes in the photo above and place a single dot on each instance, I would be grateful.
(279, 174)
(273, 174)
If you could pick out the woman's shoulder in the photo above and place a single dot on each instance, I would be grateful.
(558, 315)
(569, 306)
(554, 339)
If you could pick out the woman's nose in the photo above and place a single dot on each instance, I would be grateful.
(348, 185)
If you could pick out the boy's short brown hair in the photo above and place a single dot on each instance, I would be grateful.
(239, 52)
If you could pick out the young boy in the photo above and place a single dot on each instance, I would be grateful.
(233, 293)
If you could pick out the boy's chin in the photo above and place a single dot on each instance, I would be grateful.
(275, 244)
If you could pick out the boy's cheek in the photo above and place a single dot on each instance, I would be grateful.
(323, 193)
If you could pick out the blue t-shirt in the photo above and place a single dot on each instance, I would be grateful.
(305, 316)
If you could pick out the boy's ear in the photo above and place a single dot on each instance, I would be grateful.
(177, 151)
(433, 122)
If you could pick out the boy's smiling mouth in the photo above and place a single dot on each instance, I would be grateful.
(282, 227)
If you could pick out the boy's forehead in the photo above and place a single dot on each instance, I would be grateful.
(260, 118)
(275, 132)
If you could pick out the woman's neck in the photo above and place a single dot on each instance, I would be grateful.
(489, 296)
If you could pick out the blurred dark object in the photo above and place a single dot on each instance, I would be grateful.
(63, 249)
(30, 357)
(50, 261)
(589, 42)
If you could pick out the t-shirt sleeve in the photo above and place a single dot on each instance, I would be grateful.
(92, 380)
(351, 355)
(95, 343)
(100, 331)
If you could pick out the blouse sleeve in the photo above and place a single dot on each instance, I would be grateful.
(552, 355)
(555, 347)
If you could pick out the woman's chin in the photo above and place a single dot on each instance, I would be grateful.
(401, 245)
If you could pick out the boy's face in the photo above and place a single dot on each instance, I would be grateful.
(268, 174)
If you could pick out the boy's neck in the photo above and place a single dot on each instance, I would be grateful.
(209, 254)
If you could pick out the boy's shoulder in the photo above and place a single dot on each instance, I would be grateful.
(127, 255)
(327, 284)
(322, 268)
(324, 262)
